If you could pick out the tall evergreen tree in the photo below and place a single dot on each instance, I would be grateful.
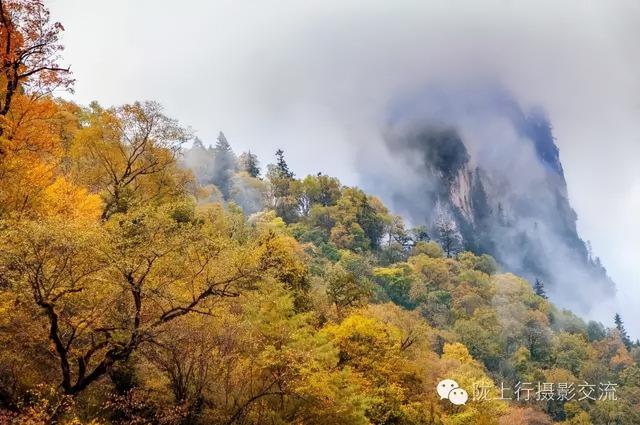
(448, 234)
(281, 179)
(224, 164)
(249, 163)
(198, 145)
(282, 166)
(538, 287)
(623, 332)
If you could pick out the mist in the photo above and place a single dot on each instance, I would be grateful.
(323, 81)
(474, 151)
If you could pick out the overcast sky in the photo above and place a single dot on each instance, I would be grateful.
(317, 78)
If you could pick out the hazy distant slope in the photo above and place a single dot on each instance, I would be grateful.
(477, 156)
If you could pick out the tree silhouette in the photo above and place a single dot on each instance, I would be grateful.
(249, 163)
(448, 234)
(282, 166)
(538, 287)
(623, 332)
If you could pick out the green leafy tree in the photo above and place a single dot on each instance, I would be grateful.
(319, 190)
(349, 282)
(595, 331)
(357, 212)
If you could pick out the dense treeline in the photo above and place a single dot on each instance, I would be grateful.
(137, 290)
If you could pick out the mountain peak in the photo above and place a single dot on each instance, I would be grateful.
(496, 168)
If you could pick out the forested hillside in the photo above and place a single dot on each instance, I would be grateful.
(145, 283)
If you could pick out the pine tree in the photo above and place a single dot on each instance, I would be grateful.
(282, 166)
(222, 145)
(224, 164)
(623, 332)
(248, 162)
(198, 145)
(538, 287)
(448, 234)
(281, 181)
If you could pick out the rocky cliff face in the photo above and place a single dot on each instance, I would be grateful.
(495, 170)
